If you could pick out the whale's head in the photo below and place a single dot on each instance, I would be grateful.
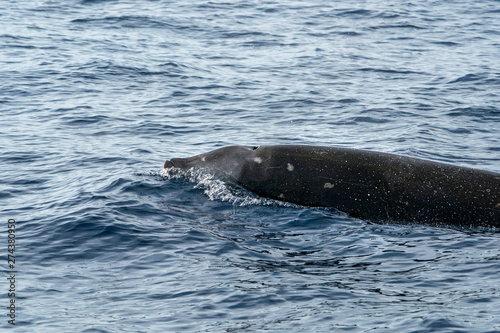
(282, 172)
(229, 162)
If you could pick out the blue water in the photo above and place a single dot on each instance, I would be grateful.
(95, 95)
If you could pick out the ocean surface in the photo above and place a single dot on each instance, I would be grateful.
(95, 95)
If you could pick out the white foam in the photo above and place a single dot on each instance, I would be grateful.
(216, 189)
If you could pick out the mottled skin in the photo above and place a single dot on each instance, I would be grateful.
(370, 185)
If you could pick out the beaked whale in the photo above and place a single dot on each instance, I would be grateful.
(369, 185)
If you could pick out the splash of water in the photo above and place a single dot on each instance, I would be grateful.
(217, 189)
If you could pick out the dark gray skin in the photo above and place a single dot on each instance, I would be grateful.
(370, 185)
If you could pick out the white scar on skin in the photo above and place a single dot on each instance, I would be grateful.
(257, 160)
(290, 167)
(203, 159)
(328, 185)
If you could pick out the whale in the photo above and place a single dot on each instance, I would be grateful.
(369, 185)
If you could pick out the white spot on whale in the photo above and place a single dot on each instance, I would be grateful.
(290, 167)
(328, 185)
(203, 159)
(257, 160)
(281, 196)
